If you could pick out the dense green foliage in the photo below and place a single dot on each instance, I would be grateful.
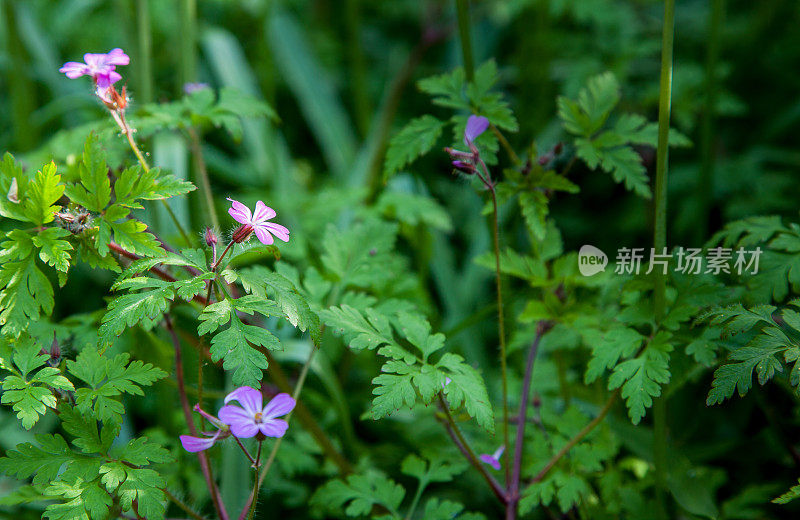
(429, 315)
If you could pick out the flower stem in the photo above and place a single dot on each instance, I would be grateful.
(513, 487)
(145, 51)
(202, 175)
(301, 380)
(462, 9)
(463, 446)
(188, 40)
(247, 453)
(576, 439)
(119, 117)
(256, 484)
(187, 413)
(214, 267)
(501, 329)
(178, 502)
(660, 240)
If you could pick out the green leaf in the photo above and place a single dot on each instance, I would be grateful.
(42, 462)
(54, 251)
(360, 493)
(792, 494)
(269, 285)
(608, 348)
(136, 184)
(42, 194)
(25, 292)
(233, 345)
(487, 103)
(641, 377)
(133, 308)
(435, 467)
(413, 210)
(83, 501)
(414, 140)
(107, 378)
(13, 189)
(466, 388)
(132, 236)
(594, 104)
(359, 332)
(94, 190)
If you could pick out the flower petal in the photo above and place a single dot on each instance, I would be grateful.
(240, 212)
(117, 57)
(250, 399)
(262, 212)
(277, 230)
(281, 404)
(195, 444)
(476, 125)
(263, 235)
(242, 424)
(274, 427)
(488, 459)
(73, 69)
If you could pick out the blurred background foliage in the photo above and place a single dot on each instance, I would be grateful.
(341, 76)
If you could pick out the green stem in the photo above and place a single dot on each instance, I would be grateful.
(415, 501)
(358, 73)
(145, 60)
(22, 91)
(251, 503)
(462, 8)
(178, 502)
(188, 40)
(501, 328)
(202, 175)
(660, 239)
(707, 156)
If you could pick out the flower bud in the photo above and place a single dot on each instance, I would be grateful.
(242, 233)
(210, 237)
(464, 167)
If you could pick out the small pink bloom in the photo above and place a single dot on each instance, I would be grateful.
(476, 125)
(251, 418)
(494, 459)
(258, 221)
(99, 66)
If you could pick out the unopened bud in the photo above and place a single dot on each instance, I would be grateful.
(210, 237)
(464, 167)
(55, 353)
(242, 233)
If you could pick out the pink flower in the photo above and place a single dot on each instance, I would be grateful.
(251, 418)
(101, 67)
(258, 221)
(494, 459)
(476, 125)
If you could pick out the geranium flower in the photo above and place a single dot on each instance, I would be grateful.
(251, 418)
(257, 222)
(466, 162)
(494, 459)
(99, 66)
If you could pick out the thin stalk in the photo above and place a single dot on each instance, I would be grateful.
(415, 501)
(247, 453)
(358, 73)
(205, 467)
(576, 439)
(214, 267)
(256, 484)
(301, 380)
(501, 328)
(202, 175)
(513, 487)
(660, 239)
(463, 446)
(188, 41)
(178, 502)
(145, 60)
(505, 144)
(126, 129)
(462, 9)
(707, 156)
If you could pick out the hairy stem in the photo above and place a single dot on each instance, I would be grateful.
(464, 447)
(513, 487)
(178, 502)
(660, 240)
(119, 117)
(187, 413)
(272, 454)
(576, 439)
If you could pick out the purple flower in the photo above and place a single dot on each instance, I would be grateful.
(494, 459)
(195, 444)
(258, 221)
(99, 66)
(476, 125)
(250, 418)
